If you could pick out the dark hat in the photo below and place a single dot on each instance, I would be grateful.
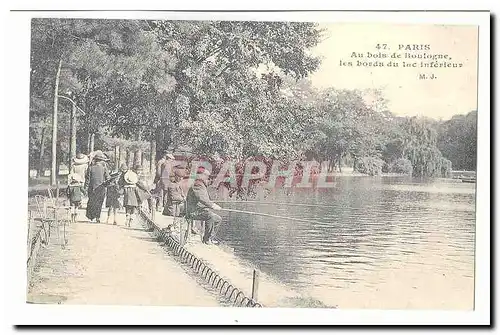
(101, 156)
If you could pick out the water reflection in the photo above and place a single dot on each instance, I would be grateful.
(375, 230)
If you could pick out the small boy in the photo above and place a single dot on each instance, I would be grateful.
(113, 197)
(75, 192)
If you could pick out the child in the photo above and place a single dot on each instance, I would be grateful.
(134, 193)
(112, 198)
(75, 193)
(175, 194)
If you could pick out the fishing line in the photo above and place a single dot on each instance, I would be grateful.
(270, 215)
(271, 203)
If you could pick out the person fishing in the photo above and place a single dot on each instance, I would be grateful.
(200, 207)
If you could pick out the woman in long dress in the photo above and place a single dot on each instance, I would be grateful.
(97, 174)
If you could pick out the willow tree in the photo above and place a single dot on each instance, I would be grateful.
(419, 145)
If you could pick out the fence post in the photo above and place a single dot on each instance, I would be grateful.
(255, 285)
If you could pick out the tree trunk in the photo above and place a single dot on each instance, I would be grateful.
(72, 143)
(92, 138)
(89, 135)
(42, 151)
(340, 163)
(138, 157)
(117, 157)
(127, 158)
(123, 153)
(54, 127)
(152, 157)
(159, 141)
(58, 158)
(130, 158)
(162, 140)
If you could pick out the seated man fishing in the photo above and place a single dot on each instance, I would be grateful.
(199, 206)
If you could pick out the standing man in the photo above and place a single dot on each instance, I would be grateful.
(200, 207)
(161, 180)
(97, 174)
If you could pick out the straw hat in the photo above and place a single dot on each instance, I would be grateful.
(130, 177)
(81, 159)
(170, 156)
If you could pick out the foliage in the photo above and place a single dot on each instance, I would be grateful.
(420, 147)
(458, 141)
(369, 165)
(401, 166)
(224, 88)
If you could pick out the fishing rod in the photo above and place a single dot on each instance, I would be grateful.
(271, 203)
(269, 215)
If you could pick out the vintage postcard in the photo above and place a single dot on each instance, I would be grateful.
(238, 161)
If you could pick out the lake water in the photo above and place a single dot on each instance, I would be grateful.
(382, 242)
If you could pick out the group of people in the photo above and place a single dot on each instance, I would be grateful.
(195, 205)
(90, 176)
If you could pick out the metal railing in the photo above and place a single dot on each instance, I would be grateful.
(211, 277)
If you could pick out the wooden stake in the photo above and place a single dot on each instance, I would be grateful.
(255, 285)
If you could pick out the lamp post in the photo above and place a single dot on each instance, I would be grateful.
(72, 142)
(53, 167)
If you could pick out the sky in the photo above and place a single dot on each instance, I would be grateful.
(453, 91)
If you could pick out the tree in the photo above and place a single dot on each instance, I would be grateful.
(96, 59)
(218, 65)
(458, 140)
(419, 145)
(347, 125)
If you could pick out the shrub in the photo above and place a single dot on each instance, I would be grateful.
(369, 165)
(401, 166)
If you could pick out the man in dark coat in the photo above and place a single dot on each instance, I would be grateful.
(199, 206)
(97, 174)
(162, 177)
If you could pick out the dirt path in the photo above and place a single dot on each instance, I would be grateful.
(106, 264)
